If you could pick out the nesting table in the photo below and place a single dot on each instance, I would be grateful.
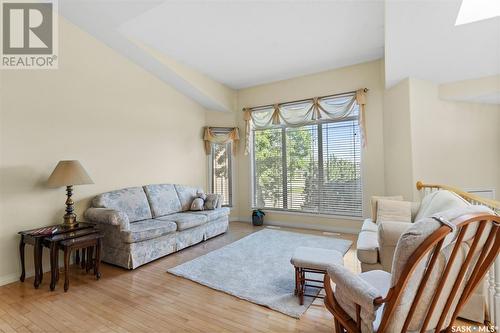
(84, 236)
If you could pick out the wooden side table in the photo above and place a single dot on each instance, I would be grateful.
(37, 239)
(54, 244)
(89, 242)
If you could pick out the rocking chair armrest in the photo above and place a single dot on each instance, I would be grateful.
(355, 288)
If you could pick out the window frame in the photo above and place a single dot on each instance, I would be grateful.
(288, 211)
(211, 178)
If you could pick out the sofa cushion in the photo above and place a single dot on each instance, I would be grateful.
(213, 201)
(131, 201)
(185, 220)
(367, 247)
(373, 203)
(147, 229)
(186, 195)
(439, 201)
(214, 213)
(393, 211)
(197, 204)
(163, 199)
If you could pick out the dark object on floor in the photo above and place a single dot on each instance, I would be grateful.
(258, 217)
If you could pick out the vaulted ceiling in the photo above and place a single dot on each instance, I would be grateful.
(422, 41)
(243, 43)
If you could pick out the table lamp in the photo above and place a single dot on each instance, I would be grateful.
(69, 173)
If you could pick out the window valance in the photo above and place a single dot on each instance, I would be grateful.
(221, 135)
(307, 112)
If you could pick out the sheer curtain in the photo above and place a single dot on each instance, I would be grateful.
(307, 112)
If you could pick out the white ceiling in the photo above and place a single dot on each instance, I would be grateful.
(422, 41)
(242, 43)
(245, 43)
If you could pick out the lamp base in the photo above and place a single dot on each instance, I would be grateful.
(69, 221)
(69, 217)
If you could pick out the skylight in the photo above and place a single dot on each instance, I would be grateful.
(477, 10)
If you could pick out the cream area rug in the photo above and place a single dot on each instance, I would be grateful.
(257, 268)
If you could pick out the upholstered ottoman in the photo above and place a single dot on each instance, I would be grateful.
(312, 260)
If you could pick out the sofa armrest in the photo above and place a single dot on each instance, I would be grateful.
(354, 287)
(388, 236)
(108, 216)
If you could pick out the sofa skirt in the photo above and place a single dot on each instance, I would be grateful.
(133, 255)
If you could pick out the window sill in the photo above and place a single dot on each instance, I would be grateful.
(324, 216)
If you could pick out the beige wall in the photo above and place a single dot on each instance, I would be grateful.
(436, 141)
(397, 141)
(367, 75)
(454, 143)
(125, 126)
(470, 89)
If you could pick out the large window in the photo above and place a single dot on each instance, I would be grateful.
(221, 172)
(314, 168)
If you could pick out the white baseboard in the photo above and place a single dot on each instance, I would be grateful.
(310, 226)
(9, 278)
(14, 277)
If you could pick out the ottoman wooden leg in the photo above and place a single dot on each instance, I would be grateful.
(301, 286)
(296, 281)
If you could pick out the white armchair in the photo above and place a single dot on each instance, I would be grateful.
(377, 242)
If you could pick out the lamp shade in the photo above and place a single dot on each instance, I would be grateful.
(69, 173)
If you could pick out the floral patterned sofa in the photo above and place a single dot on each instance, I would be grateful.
(141, 224)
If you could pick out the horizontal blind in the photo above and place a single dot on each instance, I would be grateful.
(221, 172)
(341, 190)
(314, 168)
(302, 168)
(268, 168)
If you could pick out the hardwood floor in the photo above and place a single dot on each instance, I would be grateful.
(150, 300)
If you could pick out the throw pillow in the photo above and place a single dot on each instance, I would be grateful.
(373, 202)
(201, 195)
(212, 201)
(197, 204)
(393, 211)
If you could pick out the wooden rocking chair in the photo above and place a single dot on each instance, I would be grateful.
(437, 264)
